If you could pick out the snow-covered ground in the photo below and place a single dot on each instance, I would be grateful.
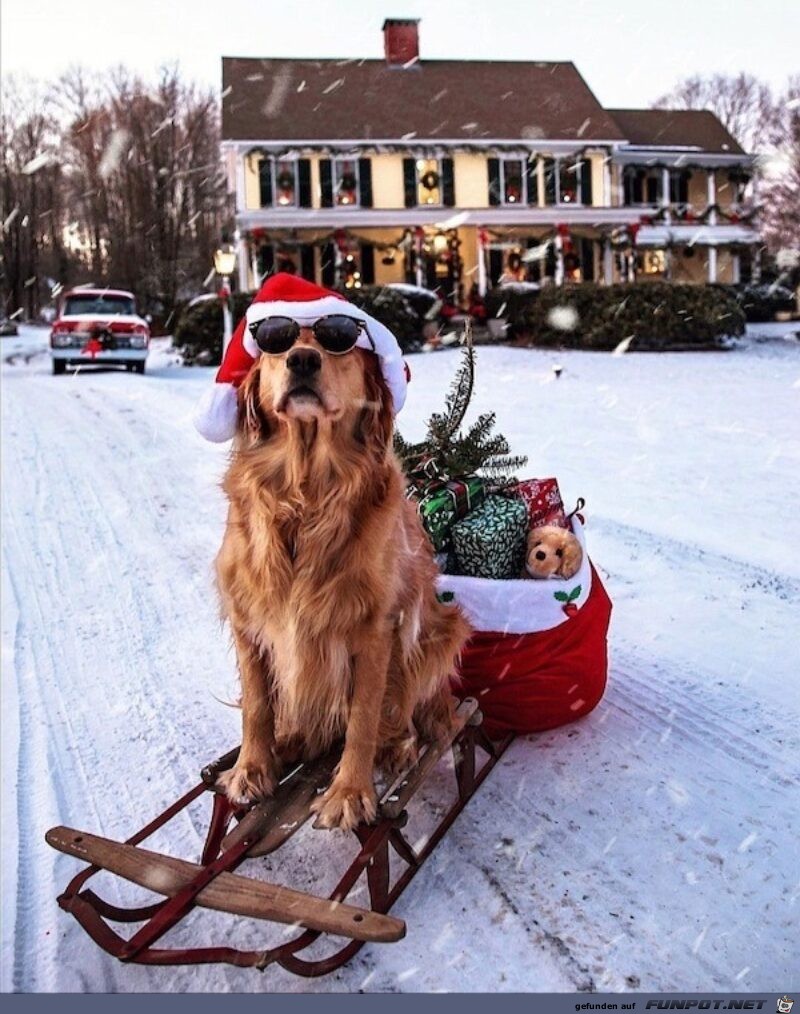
(652, 846)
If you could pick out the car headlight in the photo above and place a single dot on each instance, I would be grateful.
(61, 339)
(138, 341)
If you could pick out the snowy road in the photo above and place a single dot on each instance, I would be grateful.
(652, 846)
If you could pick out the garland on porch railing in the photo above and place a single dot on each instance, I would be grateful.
(684, 213)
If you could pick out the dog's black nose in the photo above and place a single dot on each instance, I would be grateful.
(541, 555)
(304, 362)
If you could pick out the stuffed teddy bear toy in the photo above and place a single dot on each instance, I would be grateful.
(552, 552)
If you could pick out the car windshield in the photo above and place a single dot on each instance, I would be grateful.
(106, 306)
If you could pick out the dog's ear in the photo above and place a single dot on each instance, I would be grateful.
(571, 557)
(253, 423)
(376, 419)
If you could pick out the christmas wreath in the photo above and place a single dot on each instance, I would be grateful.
(348, 183)
(285, 180)
(430, 179)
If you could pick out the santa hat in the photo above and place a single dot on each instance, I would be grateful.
(285, 295)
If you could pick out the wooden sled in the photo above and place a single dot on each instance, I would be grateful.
(260, 830)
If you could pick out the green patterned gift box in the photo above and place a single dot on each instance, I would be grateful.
(491, 541)
(443, 503)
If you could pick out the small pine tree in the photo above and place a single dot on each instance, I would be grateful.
(454, 452)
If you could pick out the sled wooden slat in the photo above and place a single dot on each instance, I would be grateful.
(276, 820)
(229, 892)
(398, 794)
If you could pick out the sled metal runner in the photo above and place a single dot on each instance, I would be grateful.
(260, 830)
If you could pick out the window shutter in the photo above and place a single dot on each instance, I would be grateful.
(586, 181)
(303, 183)
(326, 183)
(495, 266)
(365, 182)
(627, 186)
(638, 187)
(683, 186)
(493, 167)
(587, 260)
(410, 182)
(307, 269)
(534, 267)
(367, 263)
(265, 182)
(265, 260)
(549, 181)
(653, 189)
(448, 183)
(329, 265)
(532, 181)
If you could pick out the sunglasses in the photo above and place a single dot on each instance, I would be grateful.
(336, 333)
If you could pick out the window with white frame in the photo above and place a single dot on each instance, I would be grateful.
(429, 181)
(562, 180)
(285, 182)
(346, 190)
(512, 180)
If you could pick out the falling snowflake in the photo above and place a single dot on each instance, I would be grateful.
(563, 318)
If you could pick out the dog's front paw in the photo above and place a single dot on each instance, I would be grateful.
(345, 806)
(247, 783)
(396, 756)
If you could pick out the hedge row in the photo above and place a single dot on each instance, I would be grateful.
(762, 302)
(198, 331)
(656, 315)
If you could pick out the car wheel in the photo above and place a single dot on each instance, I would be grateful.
(59, 367)
(138, 367)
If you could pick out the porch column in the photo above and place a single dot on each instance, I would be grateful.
(665, 202)
(241, 261)
(559, 247)
(608, 262)
(241, 191)
(737, 267)
(712, 264)
(607, 200)
(756, 269)
(711, 185)
(481, 265)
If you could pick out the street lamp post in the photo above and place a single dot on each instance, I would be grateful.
(224, 265)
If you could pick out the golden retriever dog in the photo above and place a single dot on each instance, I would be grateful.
(328, 581)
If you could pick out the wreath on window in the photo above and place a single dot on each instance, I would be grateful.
(348, 183)
(285, 180)
(430, 179)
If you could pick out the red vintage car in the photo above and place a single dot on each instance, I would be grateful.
(98, 327)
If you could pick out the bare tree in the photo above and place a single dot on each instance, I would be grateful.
(781, 173)
(742, 102)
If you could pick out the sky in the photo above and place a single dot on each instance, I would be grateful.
(629, 51)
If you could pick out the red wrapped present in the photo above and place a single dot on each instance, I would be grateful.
(543, 500)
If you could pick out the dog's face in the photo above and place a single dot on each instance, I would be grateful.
(308, 384)
(553, 552)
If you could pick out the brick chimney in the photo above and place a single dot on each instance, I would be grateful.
(401, 41)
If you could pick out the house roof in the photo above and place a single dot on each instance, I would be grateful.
(475, 100)
(681, 128)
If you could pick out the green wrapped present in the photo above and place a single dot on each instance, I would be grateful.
(491, 541)
(441, 503)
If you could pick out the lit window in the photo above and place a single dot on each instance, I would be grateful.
(654, 262)
(429, 181)
(286, 182)
(569, 174)
(513, 181)
(346, 182)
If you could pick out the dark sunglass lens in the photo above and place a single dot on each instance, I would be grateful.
(276, 335)
(337, 333)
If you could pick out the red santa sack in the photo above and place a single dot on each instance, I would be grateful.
(539, 656)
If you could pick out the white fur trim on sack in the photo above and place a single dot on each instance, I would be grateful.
(216, 413)
(518, 606)
(309, 311)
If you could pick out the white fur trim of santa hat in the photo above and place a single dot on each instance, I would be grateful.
(216, 413)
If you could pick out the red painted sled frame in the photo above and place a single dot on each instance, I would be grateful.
(212, 883)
